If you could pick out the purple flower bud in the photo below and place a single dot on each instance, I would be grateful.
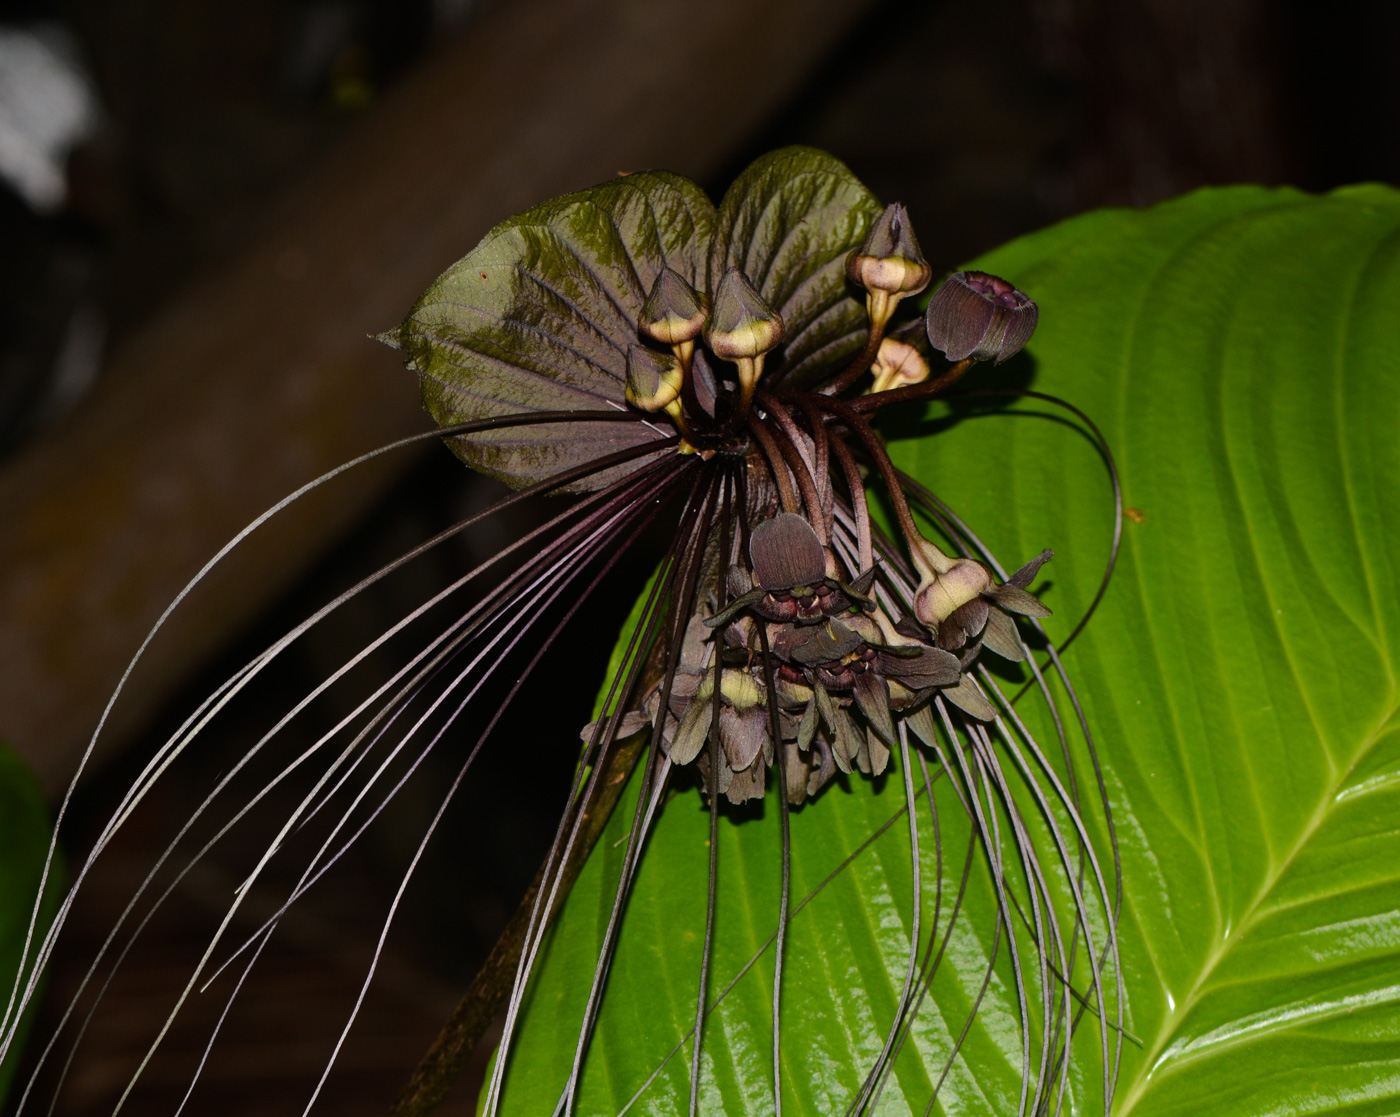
(890, 260)
(674, 311)
(980, 316)
(742, 326)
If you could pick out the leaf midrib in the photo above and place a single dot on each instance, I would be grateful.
(1328, 802)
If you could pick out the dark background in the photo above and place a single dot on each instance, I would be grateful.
(987, 120)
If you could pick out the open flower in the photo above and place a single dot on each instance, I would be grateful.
(788, 580)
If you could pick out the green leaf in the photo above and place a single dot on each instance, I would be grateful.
(1243, 364)
(788, 223)
(539, 317)
(24, 840)
(1238, 349)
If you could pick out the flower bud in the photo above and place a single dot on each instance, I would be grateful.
(742, 328)
(742, 325)
(928, 558)
(979, 316)
(674, 311)
(890, 260)
(940, 595)
(653, 379)
(889, 265)
(897, 364)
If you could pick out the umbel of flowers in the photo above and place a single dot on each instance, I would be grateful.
(757, 369)
(663, 362)
(647, 351)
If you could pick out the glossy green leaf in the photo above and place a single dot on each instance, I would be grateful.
(539, 317)
(24, 840)
(1238, 349)
(788, 223)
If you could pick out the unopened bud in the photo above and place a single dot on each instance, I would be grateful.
(653, 379)
(742, 324)
(889, 265)
(742, 328)
(674, 312)
(890, 260)
(897, 364)
(940, 595)
(979, 316)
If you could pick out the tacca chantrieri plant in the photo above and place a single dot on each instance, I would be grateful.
(652, 354)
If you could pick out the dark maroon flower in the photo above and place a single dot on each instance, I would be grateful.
(978, 316)
(609, 347)
(789, 580)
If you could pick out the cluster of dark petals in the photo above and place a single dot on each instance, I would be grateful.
(790, 580)
(790, 646)
(839, 677)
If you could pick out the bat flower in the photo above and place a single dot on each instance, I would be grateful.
(850, 661)
(790, 568)
(656, 355)
(701, 379)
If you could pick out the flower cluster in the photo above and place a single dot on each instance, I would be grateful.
(840, 671)
(794, 648)
(641, 347)
(669, 363)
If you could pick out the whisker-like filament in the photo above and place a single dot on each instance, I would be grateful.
(540, 594)
(28, 970)
(283, 831)
(712, 877)
(1054, 651)
(543, 647)
(877, 1070)
(657, 769)
(1111, 945)
(997, 928)
(786, 867)
(620, 690)
(762, 949)
(224, 693)
(1039, 901)
(259, 662)
(989, 838)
